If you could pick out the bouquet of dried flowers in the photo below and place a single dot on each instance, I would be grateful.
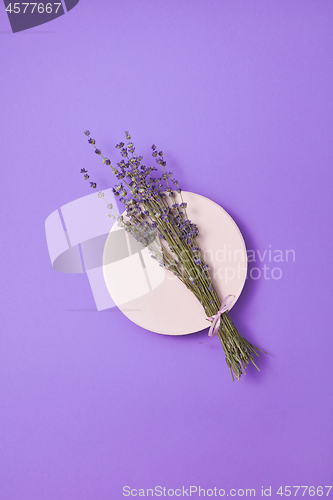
(155, 214)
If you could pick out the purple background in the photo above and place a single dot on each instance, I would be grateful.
(238, 94)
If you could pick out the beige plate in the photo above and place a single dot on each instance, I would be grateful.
(154, 298)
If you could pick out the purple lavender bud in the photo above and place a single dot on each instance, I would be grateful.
(108, 162)
(98, 151)
(86, 177)
(87, 133)
(93, 185)
(83, 170)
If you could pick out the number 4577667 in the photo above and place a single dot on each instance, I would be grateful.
(312, 491)
(30, 7)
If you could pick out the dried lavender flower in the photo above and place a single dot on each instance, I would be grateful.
(156, 221)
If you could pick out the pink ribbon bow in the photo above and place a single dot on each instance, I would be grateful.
(216, 319)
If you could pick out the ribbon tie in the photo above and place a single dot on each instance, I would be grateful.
(216, 319)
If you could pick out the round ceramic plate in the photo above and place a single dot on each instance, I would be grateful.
(153, 297)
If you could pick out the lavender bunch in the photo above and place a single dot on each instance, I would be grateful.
(155, 214)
